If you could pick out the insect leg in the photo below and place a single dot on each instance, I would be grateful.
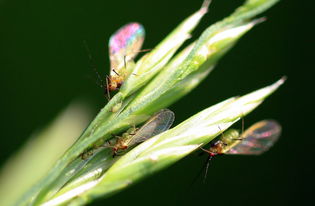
(107, 88)
(116, 72)
(243, 126)
(125, 64)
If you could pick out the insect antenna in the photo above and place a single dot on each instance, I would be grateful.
(106, 90)
(100, 81)
(210, 156)
(203, 169)
(206, 167)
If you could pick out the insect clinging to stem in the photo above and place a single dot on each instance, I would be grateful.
(124, 45)
(256, 140)
(157, 124)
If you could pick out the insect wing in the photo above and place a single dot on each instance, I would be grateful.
(157, 124)
(125, 44)
(258, 138)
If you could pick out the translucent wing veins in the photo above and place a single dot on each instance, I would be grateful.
(258, 138)
(159, 123)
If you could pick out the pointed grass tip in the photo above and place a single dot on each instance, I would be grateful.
(205, 6)
(259, 20)
(281, 81)
(278, 83)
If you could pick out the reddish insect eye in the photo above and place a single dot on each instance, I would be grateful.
(212, 154)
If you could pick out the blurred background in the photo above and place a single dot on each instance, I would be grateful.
(44, 66)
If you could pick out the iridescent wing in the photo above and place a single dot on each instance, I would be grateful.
(258, 138)
(124, 45)
(157, 124)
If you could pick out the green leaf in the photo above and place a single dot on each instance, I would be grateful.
(167, 148)
(157, 82)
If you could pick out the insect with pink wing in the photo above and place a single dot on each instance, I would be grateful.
(124, 45)
(256, 140)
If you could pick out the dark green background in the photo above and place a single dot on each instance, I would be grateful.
(44, 66)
